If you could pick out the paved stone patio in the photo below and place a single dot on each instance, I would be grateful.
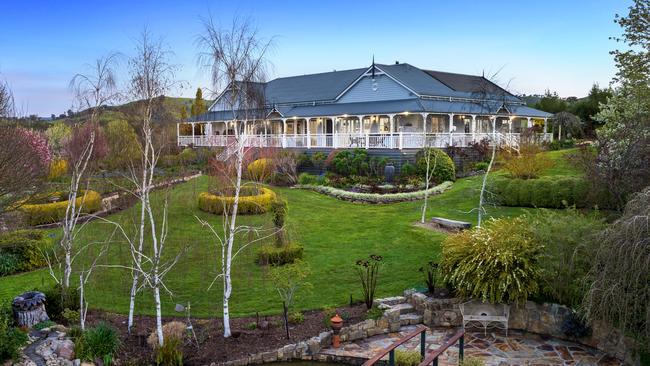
(495, 349)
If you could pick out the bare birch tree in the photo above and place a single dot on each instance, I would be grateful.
(93, 90)
(151, 76)
(236, 57)
(428, 175)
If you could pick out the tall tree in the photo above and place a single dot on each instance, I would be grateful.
(151, 76)
(236, 57)
(198, 106)
(93, 90)
(6, 101)
(551, 103)
(587, 108)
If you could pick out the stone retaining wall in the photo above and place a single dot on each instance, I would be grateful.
(309, 349)
(545, 319)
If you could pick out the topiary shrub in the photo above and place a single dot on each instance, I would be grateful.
(275, 255)
(544, 192)
(444, 170)
(498, 262)
(23, 250)
(260, 170)
(251, 201)
(40, 212)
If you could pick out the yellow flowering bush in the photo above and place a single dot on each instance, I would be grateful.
(58, 168)
(497, 263)
(260, 169)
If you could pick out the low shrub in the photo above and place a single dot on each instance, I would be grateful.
(71, 316)
(442, 168)
(257, 203)
(44, 324)
(187, 156)
(318, 159)
(498, 262)
(481, 165)
(348, 162)
(374, 313)
(407, 170)
(544, 192)
(306, 178)
(407, 358)
(296, 318)
(11, 337)
(472, 361)
(23, 250)
(99, 342)
(59, 299)
(275, 255)
(171, 352)
(527, 163)
(376, 197)
(260, 170)
(561, 144)
(47, 213)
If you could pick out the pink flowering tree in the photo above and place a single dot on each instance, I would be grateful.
(24, 161)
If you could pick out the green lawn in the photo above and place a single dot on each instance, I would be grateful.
(335, 233)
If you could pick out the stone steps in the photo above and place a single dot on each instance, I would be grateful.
(404, 308)
(410, 319)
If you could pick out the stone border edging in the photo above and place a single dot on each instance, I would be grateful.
(375, 198)
(309, 350)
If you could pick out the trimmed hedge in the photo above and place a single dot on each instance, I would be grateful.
(23, 250)
(47, 213)
(376, 197)
(279, 255)
(549, 191)
(256, 204)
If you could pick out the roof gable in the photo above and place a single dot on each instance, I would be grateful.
(313, 87)
(379, 87)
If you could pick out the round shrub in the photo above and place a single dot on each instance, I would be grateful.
(543, 192)
(251, 201)
(260, 169)
(279, 255)
(497, 263)
(444, 170)
(407, 170)
(23, 250)
(306, 178)
(46, 213)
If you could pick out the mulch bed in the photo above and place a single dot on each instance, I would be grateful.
(213, 347)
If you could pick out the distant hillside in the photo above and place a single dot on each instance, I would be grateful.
(170, 111)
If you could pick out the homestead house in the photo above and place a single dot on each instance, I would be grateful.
(396, 106)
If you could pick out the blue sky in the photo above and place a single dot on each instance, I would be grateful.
(561, 45)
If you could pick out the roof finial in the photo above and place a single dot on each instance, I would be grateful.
(373, 65)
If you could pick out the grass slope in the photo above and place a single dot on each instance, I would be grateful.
(335, 234)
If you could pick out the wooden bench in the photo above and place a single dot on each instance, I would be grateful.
(451, 224)
(485, 314)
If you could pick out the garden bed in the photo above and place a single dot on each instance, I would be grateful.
(376, 198)
(213, 347)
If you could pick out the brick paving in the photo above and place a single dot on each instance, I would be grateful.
(495, 349)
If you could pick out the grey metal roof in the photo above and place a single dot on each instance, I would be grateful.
(313, 87)
(523, 110)
(476, 85)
